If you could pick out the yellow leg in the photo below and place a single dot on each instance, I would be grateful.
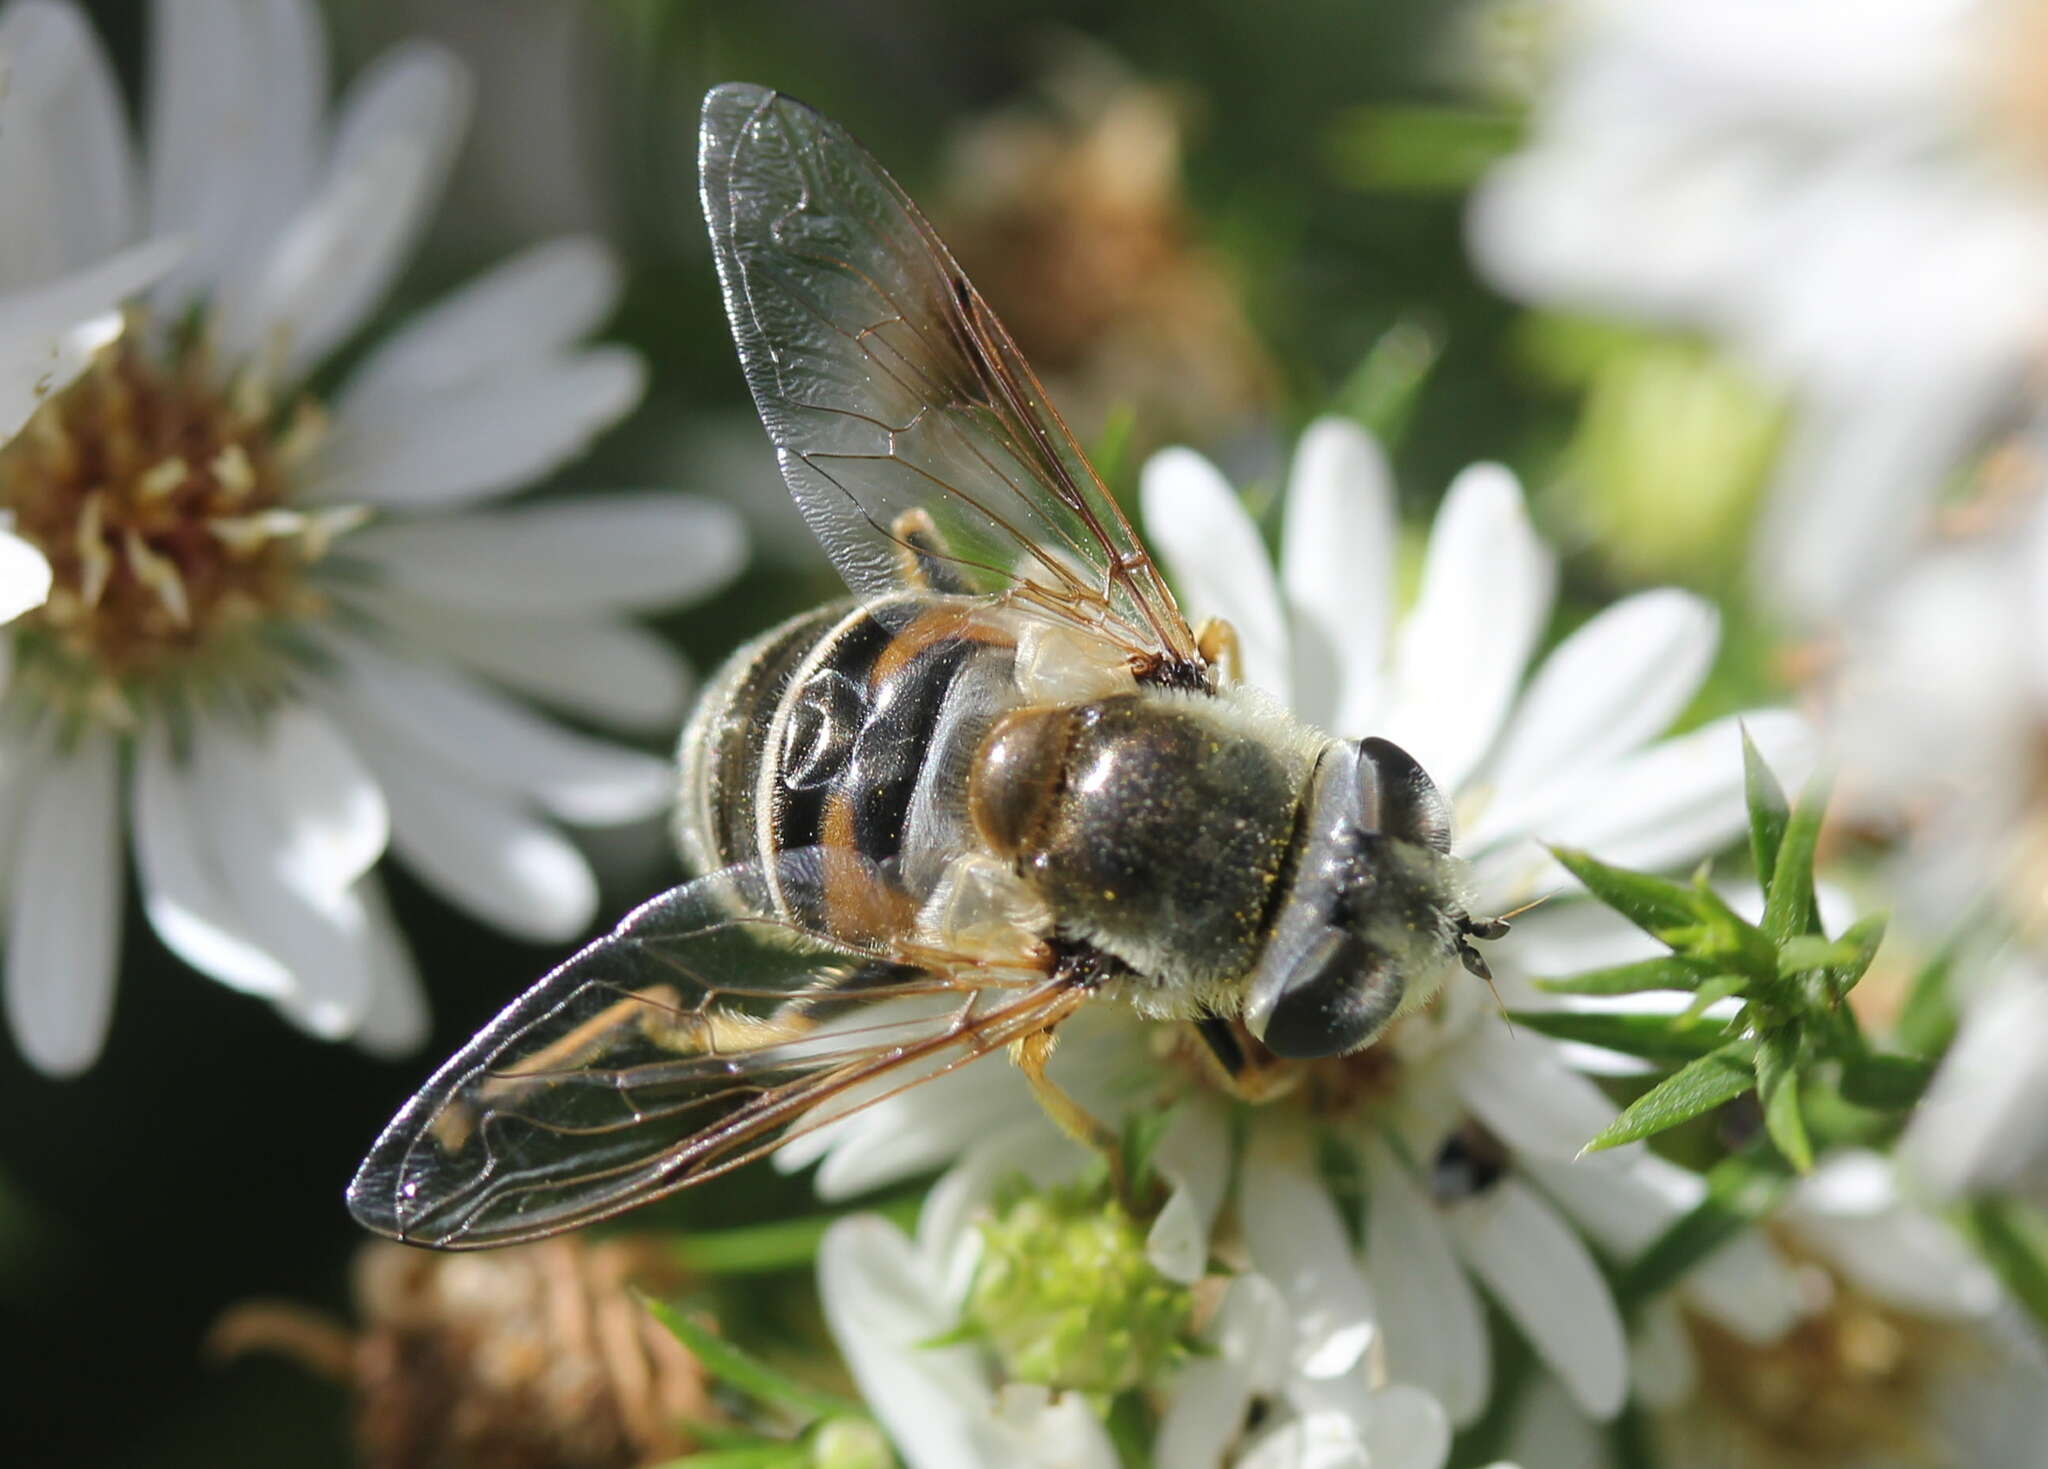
(1216, 641)
(1031, 1054)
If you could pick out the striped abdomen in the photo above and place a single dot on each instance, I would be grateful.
(847, 728)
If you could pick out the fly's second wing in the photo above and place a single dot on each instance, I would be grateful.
(696, 1036)
(891, 390)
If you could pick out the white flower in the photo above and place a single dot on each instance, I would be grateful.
(1983, 1124)
(888, 1301)
(1466, 1133)
(1852, 196)
(262, 608)
(1904, 1352)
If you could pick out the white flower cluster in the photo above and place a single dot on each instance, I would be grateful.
(1854, 199)
(1363, 1337)
(272, 636)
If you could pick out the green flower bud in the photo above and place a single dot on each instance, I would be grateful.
(1066, 1297)
(850, 1443)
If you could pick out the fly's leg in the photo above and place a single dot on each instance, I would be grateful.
(1216, 640)
(927, 562)
(1031, 1053)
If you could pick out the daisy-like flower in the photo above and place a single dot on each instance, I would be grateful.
(60, 289)
(1855, 198)
(1905, 1352)
(950, 1396)
(287, 620)
(1465, 1132)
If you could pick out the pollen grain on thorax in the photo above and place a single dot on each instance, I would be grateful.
(161, 490)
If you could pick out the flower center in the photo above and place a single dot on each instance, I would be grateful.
(160, 492)
(1853, 1379)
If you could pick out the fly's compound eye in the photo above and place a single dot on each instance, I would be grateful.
(1334, 997)
(1403, 799)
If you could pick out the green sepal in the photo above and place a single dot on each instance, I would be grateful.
(1656, 905)
(1768, 810)
(2012, 1236)
(1698, 1086)
(1777, 1087)
(1669, 972)
(737, 1368)
(1652, 1037)
(1886, 1081)
(1788, 902)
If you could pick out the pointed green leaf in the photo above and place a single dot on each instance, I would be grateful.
(1885, 1081)
(1788, 904)
(1671, 972)
(1740, 1190)
(1698, 1086)
(1653, 1037)
(1734, 939)
(1654, 904)
(1862, 939)
(749, 1374)
(1720, 987)
(1927, 1021)
(1811, 951)
(1768, 810)
(1777, 1087)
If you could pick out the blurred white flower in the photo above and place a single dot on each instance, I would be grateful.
(1905, 1353)
(262, 606)
(1467, 1134)
(1982, 1127)
(1854, 197)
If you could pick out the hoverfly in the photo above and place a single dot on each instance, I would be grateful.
(1006, 781)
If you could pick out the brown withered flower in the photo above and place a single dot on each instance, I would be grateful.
(535, 1357)
(1067, 208)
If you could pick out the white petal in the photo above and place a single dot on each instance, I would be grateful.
(1435, 1331)
(477, 441)
(65, 170)
(1985, 1118)
(1337, 565)
(1194, 1159)
(1550, 1429)
(1518, 1087)
(335, 259)
(499, 744)
(882, 1303)
(594, 553)
(1406, 1429)
(540, 302)
(1677, 801)
(1486, 589)
(1196, 522)
(397, 1022)
(1849, 1209)
(64, 916)
(1544, 1278)
(1661, 1361)
(1035, 1430)
(1297, 1240)
(184, 891)
(1326, 1440)
(598, 668)
(237, 94)
(1615, 683)
(50, 333)
(475, 846)
(24, 577)
(916, 1131)
(1248, 1342)
(294, 821)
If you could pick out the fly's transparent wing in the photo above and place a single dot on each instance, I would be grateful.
(891, 390)
(696, 1036)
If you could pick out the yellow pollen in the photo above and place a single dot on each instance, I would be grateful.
(162, 495)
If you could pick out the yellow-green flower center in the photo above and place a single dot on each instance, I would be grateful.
(1066, 1296)
(161, 491)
